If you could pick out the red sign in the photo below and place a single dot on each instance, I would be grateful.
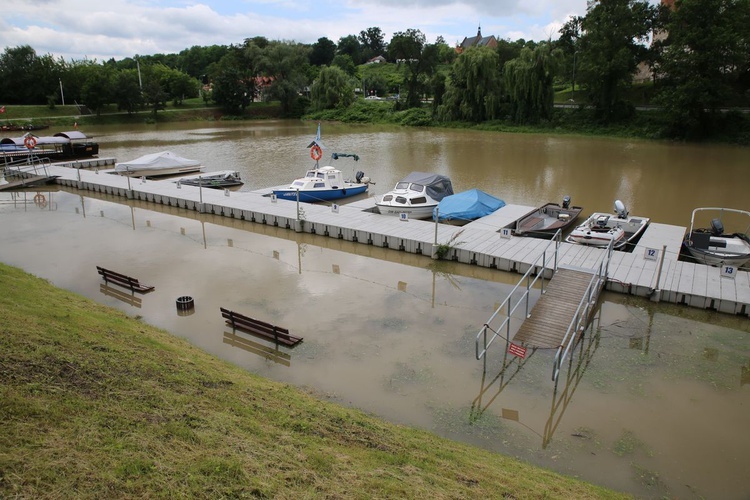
(517, 350)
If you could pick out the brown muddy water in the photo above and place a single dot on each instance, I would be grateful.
(655, 401)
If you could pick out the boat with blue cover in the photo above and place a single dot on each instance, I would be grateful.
(460, 208)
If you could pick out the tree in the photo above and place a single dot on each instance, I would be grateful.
(417, 59)
(529, 83)
(331, 89)
(345, 63)
(154, 95)
(231, 90)
(349, 45)
(323, 52)
(126, 91)
(475, 92)
(287, 63)
(26, 78)
(707, 55)
(372, 42)
(611, 46)
(97, 88)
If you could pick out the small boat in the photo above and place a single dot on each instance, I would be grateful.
(416, 195)
(325, 183)
(601, 228)
(461, 208)
(215, 180)
(712, 246)
(158, 165)
(546, 220)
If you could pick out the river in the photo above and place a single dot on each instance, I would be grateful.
(654, 402)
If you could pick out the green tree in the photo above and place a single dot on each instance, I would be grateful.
(331, 89)
(475, 92)
(418, 60)
(231, 90)
(349, 45)
(26, 78)
(611, 46)
(287, 63)
(154, 95)
(126, 91)
(345, 63)
(372, 42)
(529, 83)
(707, 55)
(323, 52)
(97, 88)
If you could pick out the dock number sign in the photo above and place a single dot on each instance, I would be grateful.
(651, 254)
(517, 350)
(728, 271)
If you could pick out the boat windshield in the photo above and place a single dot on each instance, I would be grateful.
(417, 188)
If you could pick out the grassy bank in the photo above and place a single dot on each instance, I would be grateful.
(95, 404)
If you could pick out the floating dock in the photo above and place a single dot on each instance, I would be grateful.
(651, 270)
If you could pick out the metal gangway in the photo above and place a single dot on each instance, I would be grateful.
(560, 315)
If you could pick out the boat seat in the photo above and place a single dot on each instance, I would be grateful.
(700, 240)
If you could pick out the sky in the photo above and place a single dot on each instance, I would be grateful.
(104, 29)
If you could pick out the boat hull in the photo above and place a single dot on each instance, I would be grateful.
(587, 236)
(313, 196)
(421, 212)
(547, 220)
(160, 172)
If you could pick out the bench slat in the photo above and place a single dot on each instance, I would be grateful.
(123, 280)
(257, 327)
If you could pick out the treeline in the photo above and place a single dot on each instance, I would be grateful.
(695, 55)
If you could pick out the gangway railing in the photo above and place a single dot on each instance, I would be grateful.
(583, 311)
(504, 313)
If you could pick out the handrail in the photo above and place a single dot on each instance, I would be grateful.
(507, 303)
(580, 317)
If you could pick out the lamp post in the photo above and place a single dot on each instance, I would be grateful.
(62, 95)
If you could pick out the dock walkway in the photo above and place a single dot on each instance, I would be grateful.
(478, 243)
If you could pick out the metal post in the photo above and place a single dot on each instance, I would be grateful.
(657, 290)
(62, 95)
(434, 245)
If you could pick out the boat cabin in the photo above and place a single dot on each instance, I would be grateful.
(320, 178)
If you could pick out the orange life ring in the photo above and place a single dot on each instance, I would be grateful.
(316, 153)
(30, 141)
(40, 200)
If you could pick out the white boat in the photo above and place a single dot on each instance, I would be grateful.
(325, 183)
(712, 246)
(215, 180)
(416, 195)
(158, 165)
(600, 229)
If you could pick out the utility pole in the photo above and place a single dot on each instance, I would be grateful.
(61, 92)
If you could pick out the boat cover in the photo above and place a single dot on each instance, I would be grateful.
(467, 205)
(438, 186)
(157, 161)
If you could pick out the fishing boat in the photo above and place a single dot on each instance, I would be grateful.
(714, 247)
(600, 229)
(415, 196)
(323, 183)
(461, 208)
(546, 220)
(158, 165)
(215, 180)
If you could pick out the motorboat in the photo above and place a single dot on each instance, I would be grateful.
(600, 229)
(416, 195)
(323, 183)
(158, 165)
(215, 180)
(460, 208)
(714, 247)
(546, 220)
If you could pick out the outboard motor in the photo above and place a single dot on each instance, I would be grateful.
(359, 176)
(717, 228)
(620, 210)
(566, 202)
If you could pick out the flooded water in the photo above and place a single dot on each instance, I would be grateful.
(654, 401)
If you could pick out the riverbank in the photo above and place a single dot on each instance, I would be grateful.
(96, 403)
(647, 124)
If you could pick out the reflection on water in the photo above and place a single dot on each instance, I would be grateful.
(654, 401)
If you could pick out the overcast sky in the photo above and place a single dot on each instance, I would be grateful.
(104, 29)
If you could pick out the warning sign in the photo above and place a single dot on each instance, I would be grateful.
(517, 350)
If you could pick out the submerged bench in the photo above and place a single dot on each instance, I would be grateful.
(122, 280)
(261, 328)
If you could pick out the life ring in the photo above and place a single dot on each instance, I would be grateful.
(316, 153)
(40, 200)
(30, 141)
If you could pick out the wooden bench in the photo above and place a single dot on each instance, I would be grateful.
(122, 280)
(261, 328)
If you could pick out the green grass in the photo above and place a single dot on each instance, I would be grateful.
(95, 404)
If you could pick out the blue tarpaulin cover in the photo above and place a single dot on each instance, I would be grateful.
(467, 205)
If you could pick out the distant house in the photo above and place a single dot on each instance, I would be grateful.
(477, 41)
(376, 60)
